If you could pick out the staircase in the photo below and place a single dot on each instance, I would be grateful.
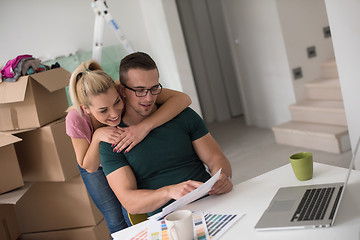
(319, 121)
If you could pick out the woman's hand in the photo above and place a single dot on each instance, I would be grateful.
(131, 136)
(108, 134)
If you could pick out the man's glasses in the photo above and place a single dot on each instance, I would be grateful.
(155, 90)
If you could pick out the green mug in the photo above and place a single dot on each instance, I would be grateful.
(302, 165)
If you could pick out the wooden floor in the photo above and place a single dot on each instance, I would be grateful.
(253, 151)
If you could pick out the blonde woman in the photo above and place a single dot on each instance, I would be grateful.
(93, 118)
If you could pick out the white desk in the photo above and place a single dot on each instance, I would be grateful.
(253, 196)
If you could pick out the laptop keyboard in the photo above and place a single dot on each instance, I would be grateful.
(313, 204)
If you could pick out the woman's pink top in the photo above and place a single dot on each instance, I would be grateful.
(79, 125)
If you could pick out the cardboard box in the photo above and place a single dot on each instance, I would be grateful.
(9, 227)
(10, 174)
(50, 206)
(98, 232)
(46, 154)
(33, 100)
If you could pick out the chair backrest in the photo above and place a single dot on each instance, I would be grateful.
(137, 218)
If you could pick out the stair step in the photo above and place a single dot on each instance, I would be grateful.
(328, 138)
(319, 111)
(324, 89)
(329, 69)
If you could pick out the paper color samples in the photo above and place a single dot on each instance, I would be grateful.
(155, 236)
(207, 226)
(217, 224)
(143, 235)
(200, 229)
(164, 233)
(158, 230)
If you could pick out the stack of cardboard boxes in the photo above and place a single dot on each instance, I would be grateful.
(42, 195)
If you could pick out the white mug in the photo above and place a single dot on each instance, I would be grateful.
(180, 225)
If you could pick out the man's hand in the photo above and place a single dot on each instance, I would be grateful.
(223, 185)
(178, 190)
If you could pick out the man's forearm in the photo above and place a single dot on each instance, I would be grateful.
(144, 201)
(138, 201)
(123, 183)
(224, 165)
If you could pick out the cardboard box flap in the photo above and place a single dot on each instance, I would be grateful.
(6, 139)
(53, 79)
(13, 91)
(14, 132)
(24, 130)
(14, 196)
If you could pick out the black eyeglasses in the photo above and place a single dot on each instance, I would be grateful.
(155, 90)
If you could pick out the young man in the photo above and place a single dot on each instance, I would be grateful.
(169, 162)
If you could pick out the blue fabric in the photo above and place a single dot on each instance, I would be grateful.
(126, 216)
(105, 199)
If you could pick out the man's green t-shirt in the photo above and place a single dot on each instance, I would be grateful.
(165, 157)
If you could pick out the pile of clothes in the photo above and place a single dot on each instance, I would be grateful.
(23, 65)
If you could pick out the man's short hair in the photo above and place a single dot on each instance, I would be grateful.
(137, 60)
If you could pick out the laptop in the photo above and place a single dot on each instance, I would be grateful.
(310, 206)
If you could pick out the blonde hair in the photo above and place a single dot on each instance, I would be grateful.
(88, 79)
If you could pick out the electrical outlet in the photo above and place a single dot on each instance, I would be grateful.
(297, 72)
(327, 32)
(311, 52)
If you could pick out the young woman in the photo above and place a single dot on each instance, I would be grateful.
(96, 111)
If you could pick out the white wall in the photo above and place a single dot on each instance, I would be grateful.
(261, 57)
(302, 23)
(47, 29)
(344, 21)
(167, 42)
(270, 39)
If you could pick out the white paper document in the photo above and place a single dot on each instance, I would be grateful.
(188, 198)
